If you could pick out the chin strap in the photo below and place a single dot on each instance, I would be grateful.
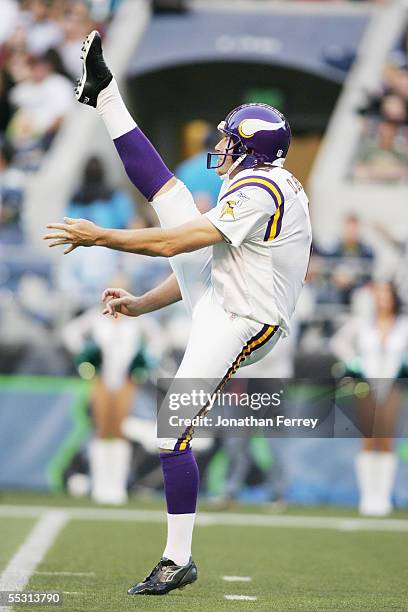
(235, 165)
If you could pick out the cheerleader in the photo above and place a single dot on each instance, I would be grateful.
(118, 350)
(375, 349)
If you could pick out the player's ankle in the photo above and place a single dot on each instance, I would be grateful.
(178, 559)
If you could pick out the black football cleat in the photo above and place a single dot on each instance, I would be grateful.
(166, 577)
(95, 73)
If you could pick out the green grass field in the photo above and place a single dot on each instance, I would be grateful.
(334, 564)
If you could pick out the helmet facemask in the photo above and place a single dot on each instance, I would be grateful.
(235, 149)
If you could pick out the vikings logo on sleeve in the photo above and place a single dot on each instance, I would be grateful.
(229, 209)
(227, 212)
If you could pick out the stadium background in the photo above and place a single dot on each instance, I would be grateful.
(338, 70)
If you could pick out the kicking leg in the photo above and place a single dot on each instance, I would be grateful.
(97, 87)
(142, 162)
(170, 198)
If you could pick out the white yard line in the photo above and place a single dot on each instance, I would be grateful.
(237, 578)
(33, 550)
(214, 518)
(86, 574)
(241, 597)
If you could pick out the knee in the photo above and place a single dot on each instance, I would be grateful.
(166, 444)
(173, 444)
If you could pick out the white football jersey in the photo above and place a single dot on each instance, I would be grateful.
(260, 268)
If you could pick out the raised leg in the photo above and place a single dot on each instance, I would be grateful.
(142, 162)
(171, 200)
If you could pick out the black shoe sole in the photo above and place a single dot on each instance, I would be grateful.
(79, 90)
(85, 92)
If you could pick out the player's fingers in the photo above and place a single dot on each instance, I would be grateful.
(70, 249)
(109, 293)
(111, 310)
(59, 226)
(107, 312)
(116, 304)
(58, 243)
(70, 221)
(55, 236)
(108, 309)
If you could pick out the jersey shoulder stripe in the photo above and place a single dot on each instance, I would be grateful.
(263, 182)
(274, 224)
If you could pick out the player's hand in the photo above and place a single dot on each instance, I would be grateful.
(75, 232)
(119, 301)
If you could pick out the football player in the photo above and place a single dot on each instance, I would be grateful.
(239, 268)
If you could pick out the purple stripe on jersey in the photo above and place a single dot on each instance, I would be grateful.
(253, 184)
(273, 183)
(142, 162)
(279, 223)
(267, 235)
(263, 178)
(269, 228)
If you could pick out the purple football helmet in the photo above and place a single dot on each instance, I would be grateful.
(259, 134)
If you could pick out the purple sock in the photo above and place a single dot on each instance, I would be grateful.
(181, 481)
(143, 164)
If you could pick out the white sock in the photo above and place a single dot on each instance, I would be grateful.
(179, 535)
(120, 452)
(366, 480)
(386, 467)
(375, 476)
(98, 465)
(113, 111)
(109, 470)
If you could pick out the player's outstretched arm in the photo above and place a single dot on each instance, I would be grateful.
(152, 241)
(120, 301)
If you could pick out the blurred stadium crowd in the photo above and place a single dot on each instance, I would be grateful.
(40, 47)
(383, 152)
(49, 315)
